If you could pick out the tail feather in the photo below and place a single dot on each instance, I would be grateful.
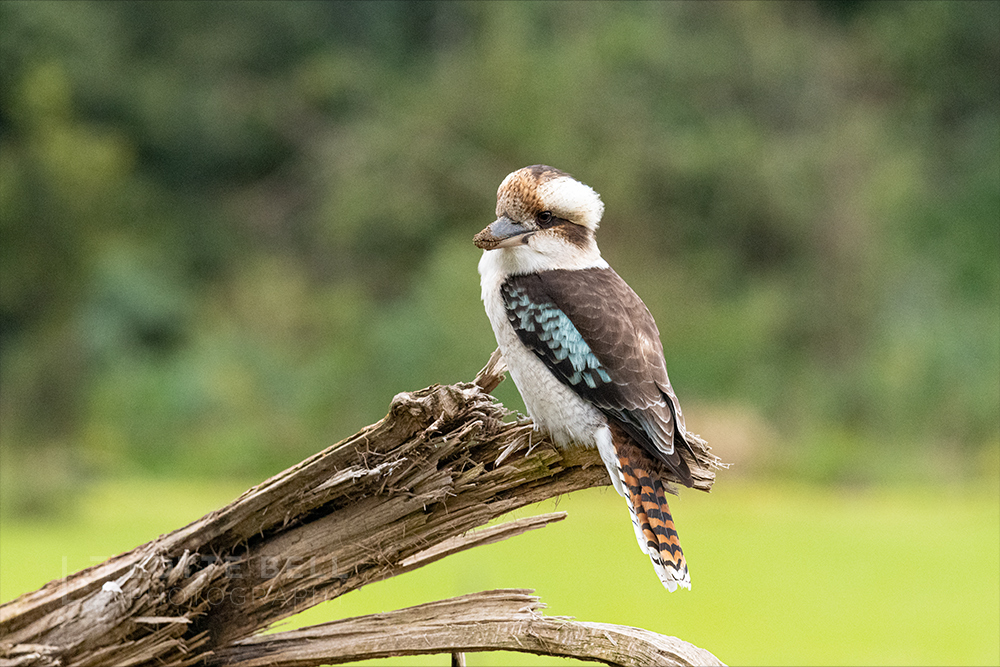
(654, 526)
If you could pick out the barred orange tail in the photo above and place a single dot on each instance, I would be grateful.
(654, 526)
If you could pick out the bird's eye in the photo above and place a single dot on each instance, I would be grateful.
(545, 218)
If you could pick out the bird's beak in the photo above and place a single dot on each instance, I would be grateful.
(503, 233)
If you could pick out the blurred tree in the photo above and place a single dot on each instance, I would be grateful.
(230, 231)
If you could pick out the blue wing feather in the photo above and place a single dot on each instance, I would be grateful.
(553, 334)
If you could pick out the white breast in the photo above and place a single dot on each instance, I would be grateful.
(553, 406)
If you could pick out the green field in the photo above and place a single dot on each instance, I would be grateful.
(783, 575)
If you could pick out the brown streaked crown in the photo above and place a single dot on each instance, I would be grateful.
(529, 191)
(518, 196)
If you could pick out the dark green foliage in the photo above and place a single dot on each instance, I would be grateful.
(232, 231)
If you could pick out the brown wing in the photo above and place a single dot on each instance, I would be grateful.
(597, 336)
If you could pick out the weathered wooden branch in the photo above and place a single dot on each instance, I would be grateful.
(507, 620)
(399, 494)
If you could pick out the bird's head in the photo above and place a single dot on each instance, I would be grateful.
(545, 218)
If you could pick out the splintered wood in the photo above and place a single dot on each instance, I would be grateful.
(397, 495)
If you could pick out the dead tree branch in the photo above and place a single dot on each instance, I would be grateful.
(508, 620)
(399, 494)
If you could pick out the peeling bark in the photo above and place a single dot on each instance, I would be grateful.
(395, 496)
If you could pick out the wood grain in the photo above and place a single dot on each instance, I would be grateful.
(393, 497)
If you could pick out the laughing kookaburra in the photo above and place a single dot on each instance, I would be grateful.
(584, 351)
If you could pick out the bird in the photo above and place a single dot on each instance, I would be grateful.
(584, 351)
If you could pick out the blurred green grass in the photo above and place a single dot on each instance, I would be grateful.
(783, 574)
